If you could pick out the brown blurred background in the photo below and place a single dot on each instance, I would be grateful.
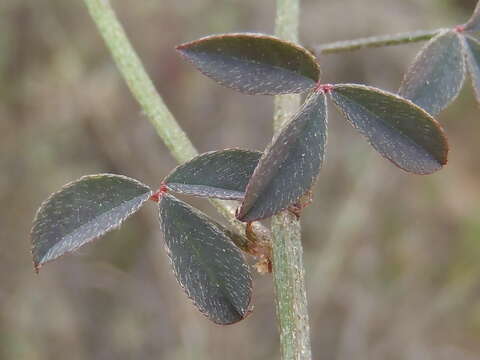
(393, 260)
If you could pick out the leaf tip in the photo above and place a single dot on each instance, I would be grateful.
(74, 215)
(37, 263)
(242, 315)
(36, 267)
(241, 214)
(38, 260)
(181, 48)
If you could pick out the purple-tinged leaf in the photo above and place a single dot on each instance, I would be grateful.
(290, 164)
(397, 128)
(473, 59)
(473, 24)
(207, 265)
(82, 211)
(217, 174)
(436, 76)
(253, 63)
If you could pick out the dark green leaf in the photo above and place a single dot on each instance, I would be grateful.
(290, 164)
(218, 174)
(208, 266)
(436, 76)
(253, 63)
(473, 24)
(398, 129)
(82, 211)
(473, 59)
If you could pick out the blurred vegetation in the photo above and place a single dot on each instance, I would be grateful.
(407, 284)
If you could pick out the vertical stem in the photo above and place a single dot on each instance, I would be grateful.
(290, 291)
(286, 27)
(287, 252)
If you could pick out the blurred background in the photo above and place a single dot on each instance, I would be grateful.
(392, 260)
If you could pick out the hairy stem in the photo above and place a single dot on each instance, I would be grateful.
(150, 101)
(139, 82)
(377, 41)
(287, 251)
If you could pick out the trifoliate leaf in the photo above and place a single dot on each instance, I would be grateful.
(82, 211)
(290, 164)
(206, 263)
(253, 63)
(398, 129)
(217, 174)
(436, 76)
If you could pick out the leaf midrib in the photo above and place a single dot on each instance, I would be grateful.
(73, 234)
(203, 263)
(389, 125)
(263, 63)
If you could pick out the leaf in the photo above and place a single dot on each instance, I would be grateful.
(436, 76)
(253, 63)
(398, 129)
(207, 265)
(473, 60)
(290, 164)
(82, 211)
(473, 24)
(218, 174)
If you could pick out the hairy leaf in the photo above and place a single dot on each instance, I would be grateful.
(473, 59)
(253, 63)
(436, 76)
(473, 24)
(398, 129)
(208, 266)
(290, 164)
(218, 174)
(82, 211)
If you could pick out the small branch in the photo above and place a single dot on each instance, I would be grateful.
(150, 101)
(287, 251)
(376, 41)
(139, 82)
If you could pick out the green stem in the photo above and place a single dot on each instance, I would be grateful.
(287, 251)
(377, 41)
(139, 82)
(150, 101)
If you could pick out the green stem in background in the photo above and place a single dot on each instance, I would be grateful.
(144, 91)
(377, 41)
(287, 251)
(139, 82)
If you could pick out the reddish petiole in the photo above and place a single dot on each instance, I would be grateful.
(158, 194)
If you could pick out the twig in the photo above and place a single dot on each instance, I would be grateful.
(377, 41)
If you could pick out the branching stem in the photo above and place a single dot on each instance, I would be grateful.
(376, 41)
